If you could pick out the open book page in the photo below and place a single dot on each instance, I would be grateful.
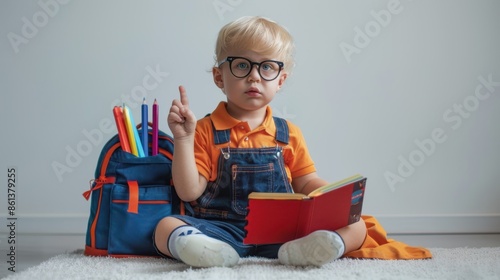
(300, 196)
(335, 185)
(278, 196)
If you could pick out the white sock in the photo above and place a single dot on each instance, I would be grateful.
(194, 248)
(178, 232)
(317, 248)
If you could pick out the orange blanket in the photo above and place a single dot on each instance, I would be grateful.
(378, 246)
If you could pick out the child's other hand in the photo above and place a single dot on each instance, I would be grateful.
(181, 119)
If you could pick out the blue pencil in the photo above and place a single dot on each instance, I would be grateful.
(138, 141)
(144, 110)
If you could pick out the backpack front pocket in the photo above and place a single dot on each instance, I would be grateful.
(130, 232)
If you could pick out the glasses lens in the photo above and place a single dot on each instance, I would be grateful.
(241, 67)
(268, 70)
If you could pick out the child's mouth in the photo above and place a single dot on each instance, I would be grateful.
(252, 92)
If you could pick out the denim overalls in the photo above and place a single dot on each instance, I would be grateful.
(220, 211)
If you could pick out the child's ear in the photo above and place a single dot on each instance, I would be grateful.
(217, 75)
(282, 79)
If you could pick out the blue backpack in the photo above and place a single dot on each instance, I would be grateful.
(129, 196)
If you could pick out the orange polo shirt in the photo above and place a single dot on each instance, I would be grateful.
(298, 162)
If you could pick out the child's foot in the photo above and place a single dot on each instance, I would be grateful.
(316, 249)
(199, 250)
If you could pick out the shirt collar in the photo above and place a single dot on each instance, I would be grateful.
(222, 120)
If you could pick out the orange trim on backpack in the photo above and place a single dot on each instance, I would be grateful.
(94, 222)
(133, 197)
(165, 153)
(102, 176)
(121, 256)
(104, 165)
(105, 161)
(99, 182)
(89, 251)
(142, 201)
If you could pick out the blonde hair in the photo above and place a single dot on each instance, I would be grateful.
(257, 34)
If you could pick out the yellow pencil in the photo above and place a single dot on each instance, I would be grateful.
(130, 131)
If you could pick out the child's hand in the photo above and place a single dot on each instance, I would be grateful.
(181, 119)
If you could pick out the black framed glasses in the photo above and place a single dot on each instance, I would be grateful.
(241, 67)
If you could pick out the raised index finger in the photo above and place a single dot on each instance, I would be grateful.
(184, 98)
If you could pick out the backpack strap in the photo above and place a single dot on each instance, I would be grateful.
(282, 132)
(133, 197)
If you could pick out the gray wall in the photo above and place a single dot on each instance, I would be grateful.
(406, 93)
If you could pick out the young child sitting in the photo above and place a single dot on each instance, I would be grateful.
(238, 149)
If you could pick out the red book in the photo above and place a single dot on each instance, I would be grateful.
(281, 217)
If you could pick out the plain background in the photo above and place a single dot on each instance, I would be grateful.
(388, 89)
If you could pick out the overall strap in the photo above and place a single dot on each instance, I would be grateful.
(282, 132)
(221, 136)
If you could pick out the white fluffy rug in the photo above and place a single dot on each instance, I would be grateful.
(457, 263)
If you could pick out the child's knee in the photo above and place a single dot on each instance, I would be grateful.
(163, 229)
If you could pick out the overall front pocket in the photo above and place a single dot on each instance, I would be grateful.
(247, 179)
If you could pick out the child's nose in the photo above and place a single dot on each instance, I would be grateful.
(254, 73)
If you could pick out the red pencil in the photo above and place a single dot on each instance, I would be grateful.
(154, 146)
(120, 126)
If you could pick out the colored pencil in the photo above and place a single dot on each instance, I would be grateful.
(144, 132)
(154, 146)
(130, 131)
(120, 126)
(138, 141)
